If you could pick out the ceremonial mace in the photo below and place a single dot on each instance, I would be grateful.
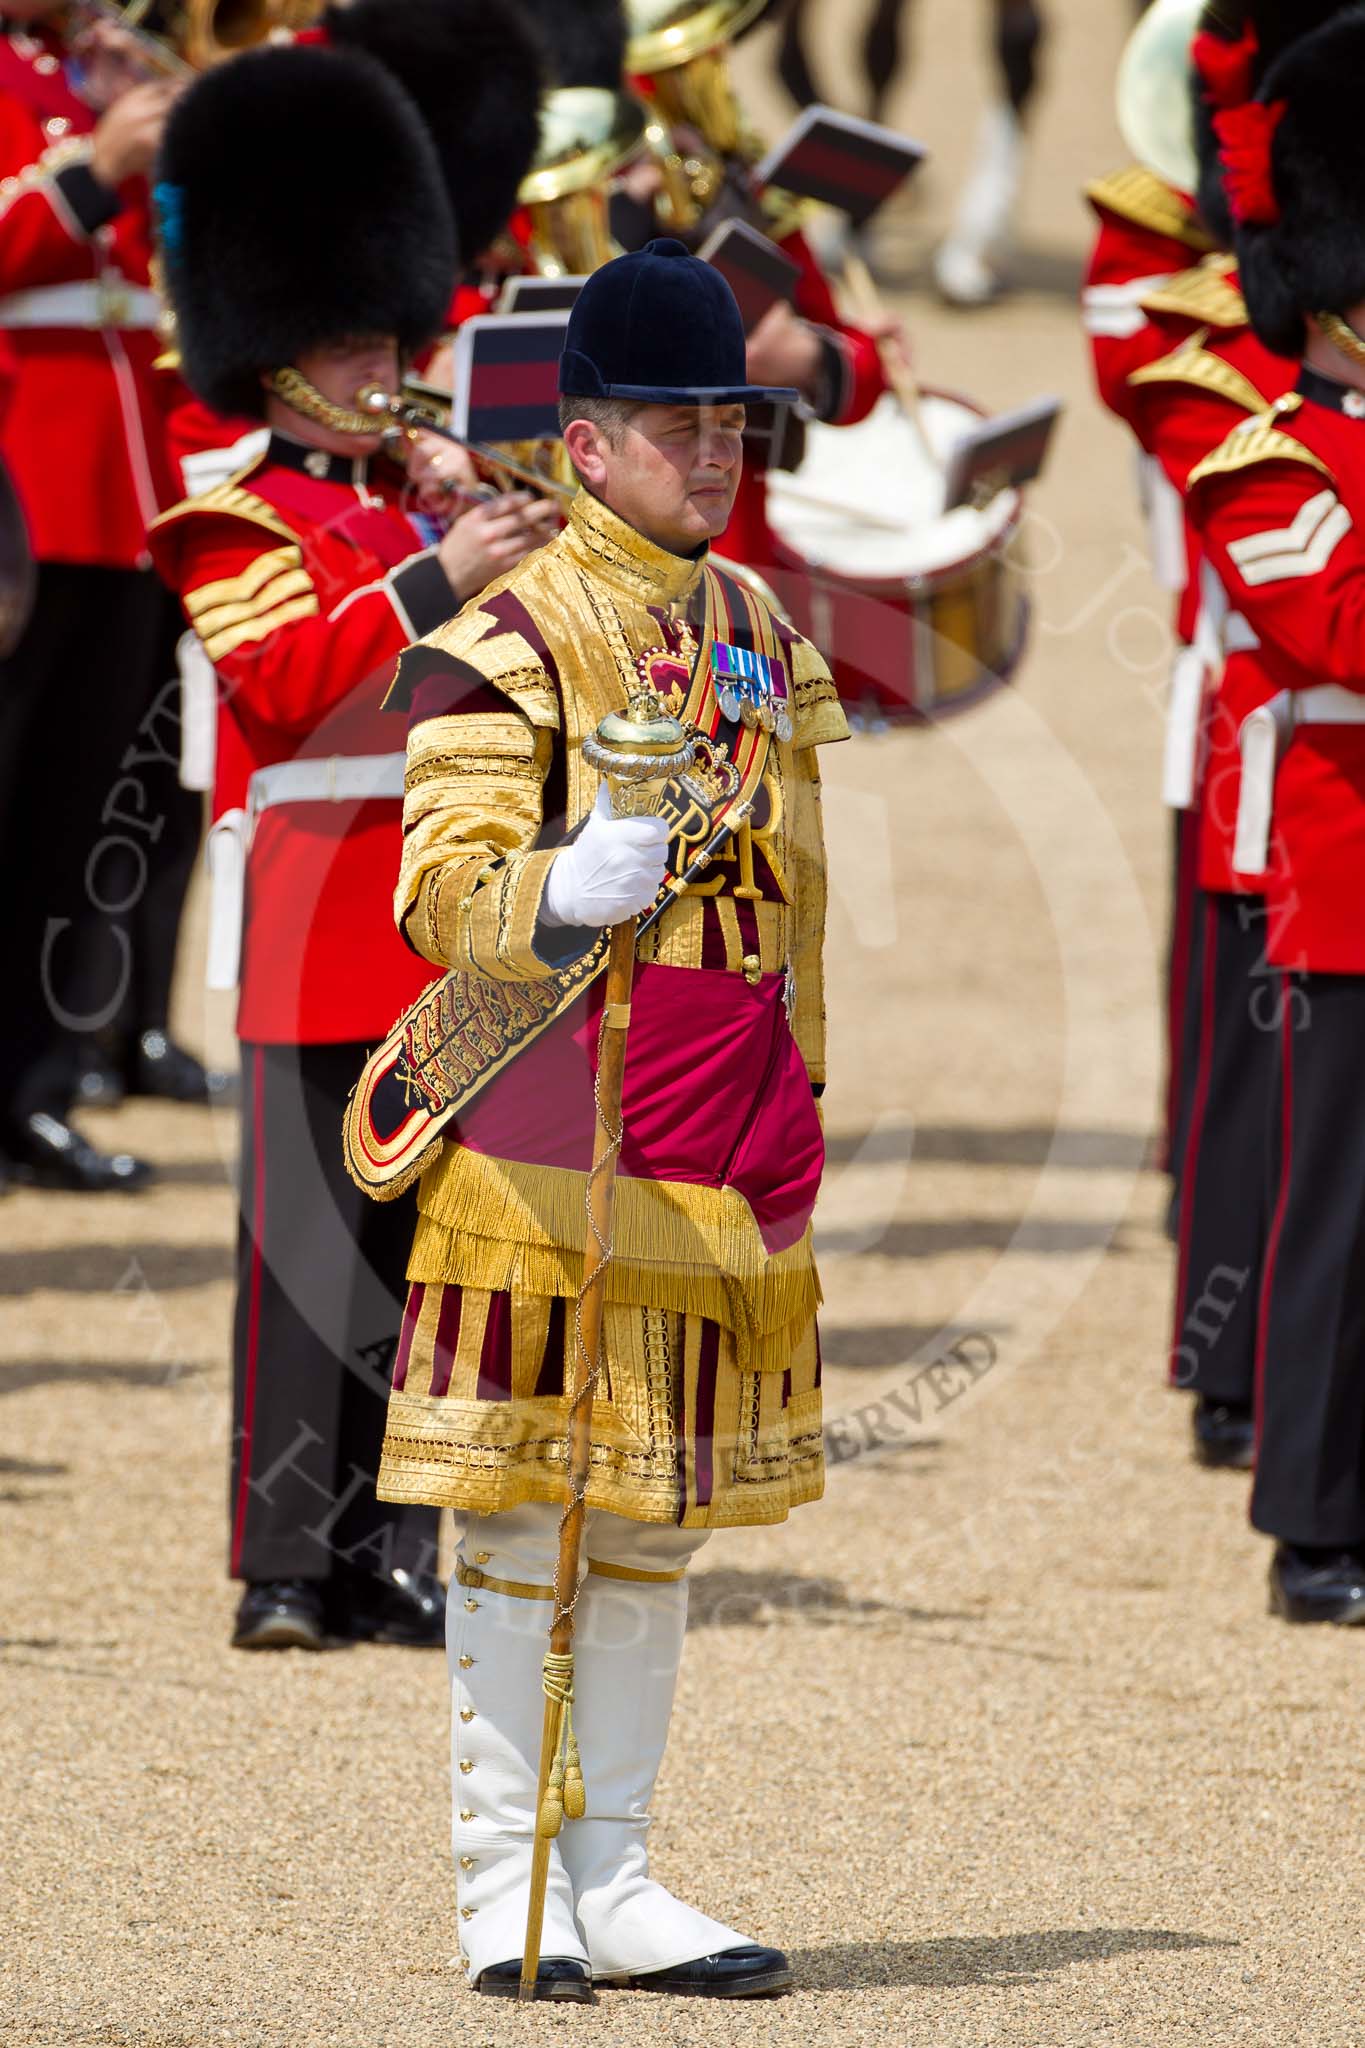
(637, 750)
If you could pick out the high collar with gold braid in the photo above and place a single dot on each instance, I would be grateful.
(602, 542)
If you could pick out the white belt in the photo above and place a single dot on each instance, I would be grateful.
(92, 302)
(1218, 632)
(1265, 734)
(340, 778)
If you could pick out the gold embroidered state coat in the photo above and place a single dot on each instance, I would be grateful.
(708, 1411)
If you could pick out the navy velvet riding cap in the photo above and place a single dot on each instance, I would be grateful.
(661, 327)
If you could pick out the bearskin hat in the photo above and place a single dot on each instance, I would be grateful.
(1276, 25)
(583, 42)
(474, 69)
(298, 201)
(1301, 246)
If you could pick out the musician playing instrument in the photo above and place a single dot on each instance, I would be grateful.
(677, 55)
(708, 1408)
(83, 441)
(304, 576)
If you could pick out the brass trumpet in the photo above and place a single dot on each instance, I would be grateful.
(422, 409)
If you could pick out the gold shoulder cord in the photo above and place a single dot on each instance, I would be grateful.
(1342, 336)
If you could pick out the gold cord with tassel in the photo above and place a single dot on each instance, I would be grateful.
(566, 1795)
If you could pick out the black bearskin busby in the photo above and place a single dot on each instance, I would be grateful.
(298, 201)
(583, 41)
(474, 69)
(1303, 250)
(1276, 25)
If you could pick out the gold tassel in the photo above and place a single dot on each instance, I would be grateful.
(566, 1796)
(575, 1791)
(551, 1816)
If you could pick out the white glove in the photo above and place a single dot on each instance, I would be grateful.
(614, 869)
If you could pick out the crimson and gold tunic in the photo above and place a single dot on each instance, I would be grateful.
(709, 1408)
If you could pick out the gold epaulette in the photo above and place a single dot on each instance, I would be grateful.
(1193, 364)
(504, 660)
(1137, 194)
(228, 500)
(1257, 441)
(1202, 293)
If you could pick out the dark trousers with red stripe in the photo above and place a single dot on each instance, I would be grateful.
(1184, 959)
(1310, 1468)
(320, 1292)
(1225, 1190)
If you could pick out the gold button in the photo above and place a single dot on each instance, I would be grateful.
(466, 1813)
(468, 1912)
(465, 1765)
(466, 1713)
(482, 1556)
(466, 1663)
(471, 1606)
(466, 1863)
(753, 968)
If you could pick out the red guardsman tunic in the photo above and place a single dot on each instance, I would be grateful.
(1181, 407)
(305, 578)
(84, 436)
(1278, 506)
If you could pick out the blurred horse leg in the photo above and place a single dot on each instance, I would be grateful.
(965, 265)
(793, 63)
(883, 52)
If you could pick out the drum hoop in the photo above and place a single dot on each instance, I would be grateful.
(917, 583)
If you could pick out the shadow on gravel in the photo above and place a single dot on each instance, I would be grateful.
(933, 1238)
(1001, 1959)
(114, 1268)
(884, 1344)
(1085, 1151)
(52, 1372)
(740, 1599)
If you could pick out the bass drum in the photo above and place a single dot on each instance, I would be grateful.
(918, 611)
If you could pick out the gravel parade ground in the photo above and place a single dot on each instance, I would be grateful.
(999, 1742)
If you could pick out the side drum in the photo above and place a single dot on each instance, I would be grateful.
(919, 611)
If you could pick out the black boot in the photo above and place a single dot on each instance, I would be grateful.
(744, 1972)
(398, 1606)
(1224, 1433)
(281, 1614)
(157, 1066)
(47, 1152)
(556, 1978)
(1309, 1583)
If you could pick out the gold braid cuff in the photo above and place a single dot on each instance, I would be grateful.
(304, 398)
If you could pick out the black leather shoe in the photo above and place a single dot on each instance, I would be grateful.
(1310, 1584)
(744, 1972)
(403, 1607)
(158, 1066)
(98, 1084)
(1224, 1433)
(45, 1152)
(556, 1978)
(281, 1614)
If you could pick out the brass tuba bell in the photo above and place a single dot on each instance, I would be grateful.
(587, 133)
(1155, 94)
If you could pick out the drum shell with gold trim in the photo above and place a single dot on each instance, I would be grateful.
(919, 616)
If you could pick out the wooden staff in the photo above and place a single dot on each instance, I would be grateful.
(637, 751)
